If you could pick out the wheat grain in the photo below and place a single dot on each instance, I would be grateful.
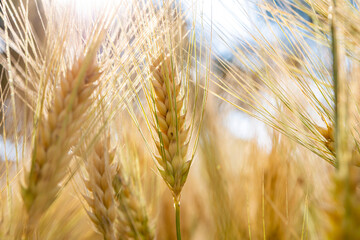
(328, 134)
(329, 142)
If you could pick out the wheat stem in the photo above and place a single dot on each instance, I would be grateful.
(343, 155)
(177, 219)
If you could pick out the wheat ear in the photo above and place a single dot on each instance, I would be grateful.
(56, 135)
(133, 222)
(171, 128)
(101, 172)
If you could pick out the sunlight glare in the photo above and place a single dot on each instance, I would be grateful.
(86, 8)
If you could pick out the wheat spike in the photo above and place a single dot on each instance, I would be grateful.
(171, 128)
(56, 134)
(132, 218)
(101, 172)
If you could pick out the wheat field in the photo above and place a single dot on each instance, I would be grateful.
(144, 120)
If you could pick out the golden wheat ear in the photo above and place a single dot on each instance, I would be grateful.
(133, 222)
(172, 131)
(100, 170)
(57, 132)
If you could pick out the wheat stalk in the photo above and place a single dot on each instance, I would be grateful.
(167, 92)
(56, 135)
(172, 131)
